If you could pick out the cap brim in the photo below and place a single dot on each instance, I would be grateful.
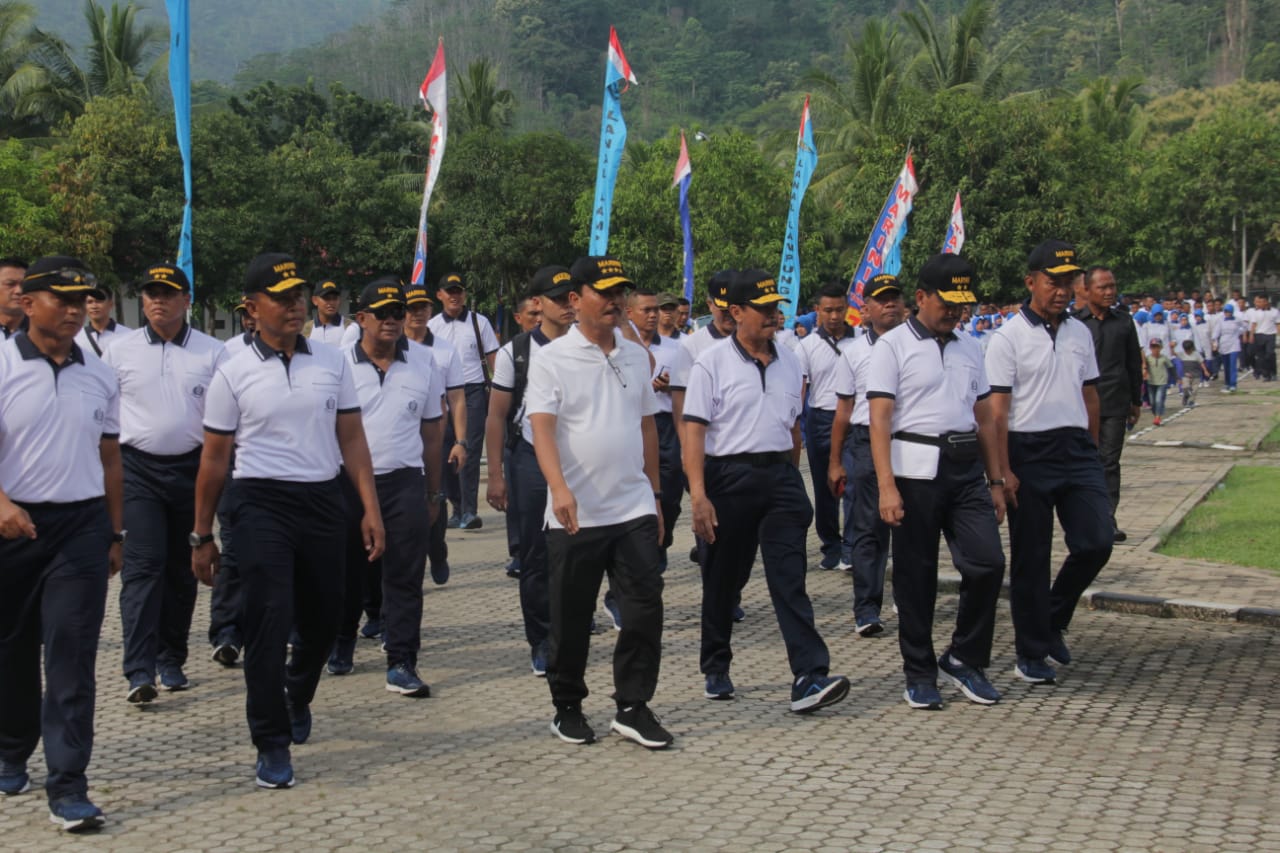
(420, 300)
(380, 303)
(454, 287)
(1062, 269)
(767, 299)
(888, 288)
(957, 297)
(287, 284)
(72, 288)
(166, 282)
(557, 290)
(612, 282)
(720, 303)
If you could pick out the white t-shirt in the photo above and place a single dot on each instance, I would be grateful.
(598, 401)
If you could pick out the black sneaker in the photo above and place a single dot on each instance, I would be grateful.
(226, 653)
(142, 689)
(636, 722)
(440, 572)
(299, 721)
(571, 726)
(342, 658)
(372, 629)
(1059, 654)
(811, 692)
(719, 686)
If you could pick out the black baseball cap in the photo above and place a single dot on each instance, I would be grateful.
(1053, 257)
(417, 294)
(949, 276)
(272, 272)
(386, 290)
(451, 280)
(328, 286)
(718, 287)
(167, 274)
(551, 281)
(61, 274)
(601, 272)
(754, 287)
(880, 285)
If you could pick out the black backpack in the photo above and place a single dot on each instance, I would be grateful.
(521, 346)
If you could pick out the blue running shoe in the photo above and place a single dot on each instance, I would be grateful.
(739, 615)
(372, 629)
(1059, 654)
(299, 721)
(513, 568)
(538, 661)
(615, 613)
(173, 679)
(403, 679)
(811, 692)
(923, 695)
(470, 521)
(971, 680)
(142, 689)
(829, 562)
(75, 814)
(342, 659)
(275, 768)
(14, 779)
(719, 686)
(1034, 671)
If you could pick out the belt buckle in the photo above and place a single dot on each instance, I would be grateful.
(957, 438)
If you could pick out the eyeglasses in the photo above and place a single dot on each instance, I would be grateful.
(389, 312)
(70, 275)
(616, 371)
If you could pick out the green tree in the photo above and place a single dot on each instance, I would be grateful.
(122, 52)
(954, 56)
(1112, 109)
(483, 104)
(29, 222)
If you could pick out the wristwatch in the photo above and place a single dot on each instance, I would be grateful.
(195, 540)
(118, 538)
(999, 481)
(460, 443)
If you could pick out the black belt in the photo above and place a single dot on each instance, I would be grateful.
(947, 439)
(190, 455)
(757, 460)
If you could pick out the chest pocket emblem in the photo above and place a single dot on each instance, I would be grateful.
(413, 406)
(330, 404)
(99, 416)
(197, 391)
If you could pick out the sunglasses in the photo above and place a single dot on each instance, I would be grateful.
(389, 312)
(70, 275)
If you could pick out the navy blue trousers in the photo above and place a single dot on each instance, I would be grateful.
(870, 535)
(157, 590)
(463, 487)
(831, 516)
(528, 492)
(224, 603)
(957, 505)
(764, 508)
(1058, 471)
(53, 593)
(289, 537)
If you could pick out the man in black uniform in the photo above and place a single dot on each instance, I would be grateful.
(61, 511)
(1119, 355)
(931, 440)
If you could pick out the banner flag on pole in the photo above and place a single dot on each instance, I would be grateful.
(434, 94)
(684, 177)
(882, 253)
(806, 164)
(180, 84)
(613, 139)
(954, 240)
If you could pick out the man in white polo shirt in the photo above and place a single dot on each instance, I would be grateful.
(400, 391)
(472, 336)
(1262, 322)
(508, 429)
(330, 324)
(850, 468)
(932, 436)
(741, 449)
(291, 410)
(61, 536)
(591, 407)
(12, 317)
(101, 328)
(1044, 396)
(821, 359)
(164, 369)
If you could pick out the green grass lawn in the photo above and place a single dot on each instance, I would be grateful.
(1238, 523)
(1272, 441)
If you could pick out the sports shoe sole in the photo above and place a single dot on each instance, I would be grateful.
(632, 734)
(226, 654)
(415, 692)
(87, 824)
(921, 706)
(26, 786)
(569, 739)
(275, 786)
(870, 629)
(719, 697)
(829, 695)
(142, 694)
(1029, 679)
(969, 694)
(1051, 659)
(176, 688)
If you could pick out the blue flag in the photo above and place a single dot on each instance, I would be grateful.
(789, 271)
(684, 177)
(613, 139)
(883, 252)
(180, 83)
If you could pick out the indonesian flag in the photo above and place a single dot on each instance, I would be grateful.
(434, 94)
(954, 241)
(683, 169)
(619, 68)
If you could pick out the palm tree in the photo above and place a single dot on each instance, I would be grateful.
(1112, 109)
(849, 113)
(15, 29)
(122, 53)
(952, 54)
(484, 105)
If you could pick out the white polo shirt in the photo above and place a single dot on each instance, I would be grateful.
(672, 359)
(788, 338)
(330, 334)
(694, 345)
(1042, 371)
(599, 401)
(52, 421)
(934, 386)
(820, 359)
(447, 360)
(747, 406)
(238, 344)
(162, 388)
(394, 404)
(283, 415)
(1264, 321)
(88, 336)
(461, 334)
(851, 380)
(504, 377)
